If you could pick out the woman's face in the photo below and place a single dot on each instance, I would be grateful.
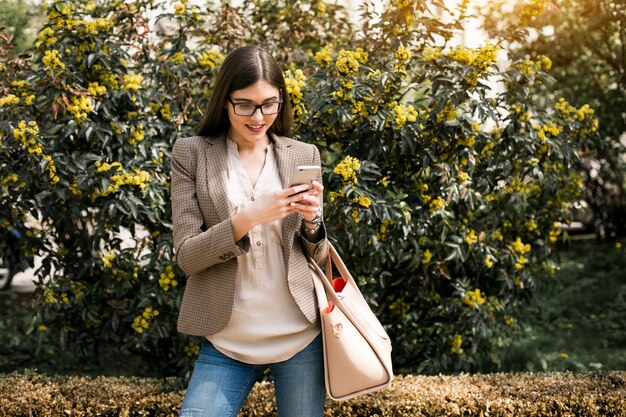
(252, 129)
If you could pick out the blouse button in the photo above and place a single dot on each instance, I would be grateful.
(252, 198)
(258, 243)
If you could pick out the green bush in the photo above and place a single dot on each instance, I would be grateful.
(443, 191)
(498, 395)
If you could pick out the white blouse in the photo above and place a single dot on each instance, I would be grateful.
(266, 325)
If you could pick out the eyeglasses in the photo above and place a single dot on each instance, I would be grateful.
(248, 109)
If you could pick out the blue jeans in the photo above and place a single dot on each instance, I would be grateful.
(220, 385)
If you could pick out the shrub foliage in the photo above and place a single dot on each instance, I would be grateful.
(445, 175)
(498, 395)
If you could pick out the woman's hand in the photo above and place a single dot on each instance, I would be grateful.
(276, 205)
(309, 205)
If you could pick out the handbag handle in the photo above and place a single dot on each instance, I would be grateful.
(327, 291)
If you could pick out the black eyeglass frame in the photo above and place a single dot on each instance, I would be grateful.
(256, 107)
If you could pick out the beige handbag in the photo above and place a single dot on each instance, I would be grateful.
(357, 350)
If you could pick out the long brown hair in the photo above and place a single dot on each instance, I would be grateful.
(242, 68)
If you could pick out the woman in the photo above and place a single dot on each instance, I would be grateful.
(242, 236)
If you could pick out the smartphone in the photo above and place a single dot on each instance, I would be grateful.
(305, 174)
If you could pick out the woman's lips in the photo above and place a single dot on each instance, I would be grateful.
(255, 128)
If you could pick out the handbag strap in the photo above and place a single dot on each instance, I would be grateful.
(323, 282)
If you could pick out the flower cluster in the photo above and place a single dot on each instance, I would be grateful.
(210, 59)
(191, 350)
(403, 54)
(481, 58)
(132, 81)
(531, 9)
(436, 204)
(474, 298)
(52, 60)
(520, 249)
(80, 107)
(27, 133)
(166, 279)
(455, 345)
(402, 113)
(137, 178)
(107, 259)
(347, 169)
(324, 57)
(96, 89)
(363, 201)
(294, 82)
(52, 169)
(142, 321)
(9, 100)
(136, 135)
(347, 62)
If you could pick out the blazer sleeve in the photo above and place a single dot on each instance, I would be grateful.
(196, 247)
(318, 251)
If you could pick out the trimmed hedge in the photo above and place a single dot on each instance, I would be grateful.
(557, 394)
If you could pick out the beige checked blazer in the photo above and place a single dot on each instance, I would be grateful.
(203, 238)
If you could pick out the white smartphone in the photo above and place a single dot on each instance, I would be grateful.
(305, 174)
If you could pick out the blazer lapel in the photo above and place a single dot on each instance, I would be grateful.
(217, 175)
(286, 160)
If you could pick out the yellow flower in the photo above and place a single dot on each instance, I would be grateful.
(294, 82)
(347, 62)
(462, 54)
(436, 204)
(179, 9)
(543, 62)
(166, 279)
(531, 225)
(474, 298)
(471, 238)
(108, 258)
(347, 169)
(355, 215)
(463, 177)
(402, 114)
(27, 134)
(166, 113)
(526, 67)
(96, 89)
(9, 100)
(52, 60)
(178, 58)
(132, 81)
(531, 9)
(52, 169)
(519, 246)
(191, 350)
(455, 345)
(488, 261)
(403, 53)
(618, 245)
(363, 201)
(80, 106)
(431, 54)
(448, 113)
(509, 321)
(426, 257)
(324, 56)
(210, 59)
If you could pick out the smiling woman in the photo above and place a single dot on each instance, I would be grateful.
(243, 235)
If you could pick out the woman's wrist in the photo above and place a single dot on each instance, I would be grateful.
(241, 223)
